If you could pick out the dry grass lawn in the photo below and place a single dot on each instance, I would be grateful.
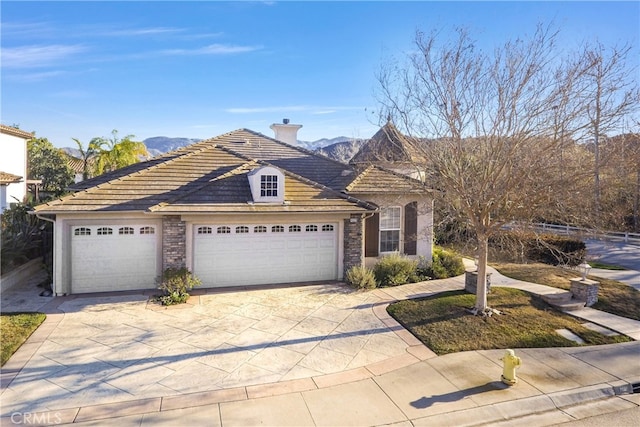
(613, 297)
(443, 323)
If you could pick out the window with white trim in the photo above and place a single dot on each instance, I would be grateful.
(223, 230)
(147, 230)
(277, 229)
(269, 186)
(104, 231)
(125, 230)
(259, 229)
(82, 231)
(295, 229)
(311, 228)
(390, 229)
(242, 229)
(205, 230)
(327, 227)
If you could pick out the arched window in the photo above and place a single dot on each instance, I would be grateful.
(82, 231)
(205, 230)
(125, 230)
(223, 230)
(311, 228)
(327, 227)
(147, 230)
(277, 229)
(295, 229)
(104, 231)
(259, 229)
(242, 229)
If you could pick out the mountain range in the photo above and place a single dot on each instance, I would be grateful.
(340, 148)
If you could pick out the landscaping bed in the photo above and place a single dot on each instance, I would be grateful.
(444, 324)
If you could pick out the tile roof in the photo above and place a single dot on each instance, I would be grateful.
(16, 132)
(9, 178)
(389, 146)
(211, 176)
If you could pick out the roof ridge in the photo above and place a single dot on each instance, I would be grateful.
(296, 147)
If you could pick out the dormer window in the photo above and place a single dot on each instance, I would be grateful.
(267, 185)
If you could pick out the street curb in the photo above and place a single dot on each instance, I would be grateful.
(521, 408)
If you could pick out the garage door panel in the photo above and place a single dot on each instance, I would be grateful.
(113, 262)
(265, 258)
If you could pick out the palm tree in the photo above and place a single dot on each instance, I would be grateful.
(86, 154)
(115, 153)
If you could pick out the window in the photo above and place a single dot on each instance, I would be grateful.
(327, 227)
(104, 231)
(242, 229)
(277, 229)
(269, 186)
(311, 228)
(205, 230)
(259, 229)
(295, 229)
(82, 231)
(147, 230)
(390, 229)
(223, 230)
(125, 230)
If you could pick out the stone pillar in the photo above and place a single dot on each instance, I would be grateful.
(585, 290)
(174, 242)
(353, 242)
(471, 282)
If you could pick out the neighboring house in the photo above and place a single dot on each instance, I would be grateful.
(6, 179)
(239, 209)
(13, 162)
(77, 166)
(392, 150)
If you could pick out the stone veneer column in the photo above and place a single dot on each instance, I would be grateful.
(353, 242)
(174, 242)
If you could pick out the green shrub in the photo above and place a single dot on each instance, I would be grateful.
(361, 277)
(175, 285)
(444, 264)
(395, 269)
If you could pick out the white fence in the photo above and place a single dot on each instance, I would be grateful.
(616, 236)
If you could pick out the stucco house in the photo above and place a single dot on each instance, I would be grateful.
(13, 165)
(239, 209)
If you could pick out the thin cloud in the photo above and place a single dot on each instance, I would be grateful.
(253, 110)
(38, 55)
(36, 77)
(212, 49)
(141, 32)
(284, 109)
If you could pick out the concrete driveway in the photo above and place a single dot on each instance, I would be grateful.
(105, 349)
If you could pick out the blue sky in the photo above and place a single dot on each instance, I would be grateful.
(198, 69)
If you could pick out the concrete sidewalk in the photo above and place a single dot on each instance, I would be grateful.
(412, 387)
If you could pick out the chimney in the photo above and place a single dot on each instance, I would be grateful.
(286, 132)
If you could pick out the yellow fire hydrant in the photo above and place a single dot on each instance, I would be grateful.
(511, 362)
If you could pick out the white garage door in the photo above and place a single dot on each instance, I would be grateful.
(113, 257)
(241, 255)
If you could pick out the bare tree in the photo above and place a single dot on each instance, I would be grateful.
(610, 94)
(492, 126)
